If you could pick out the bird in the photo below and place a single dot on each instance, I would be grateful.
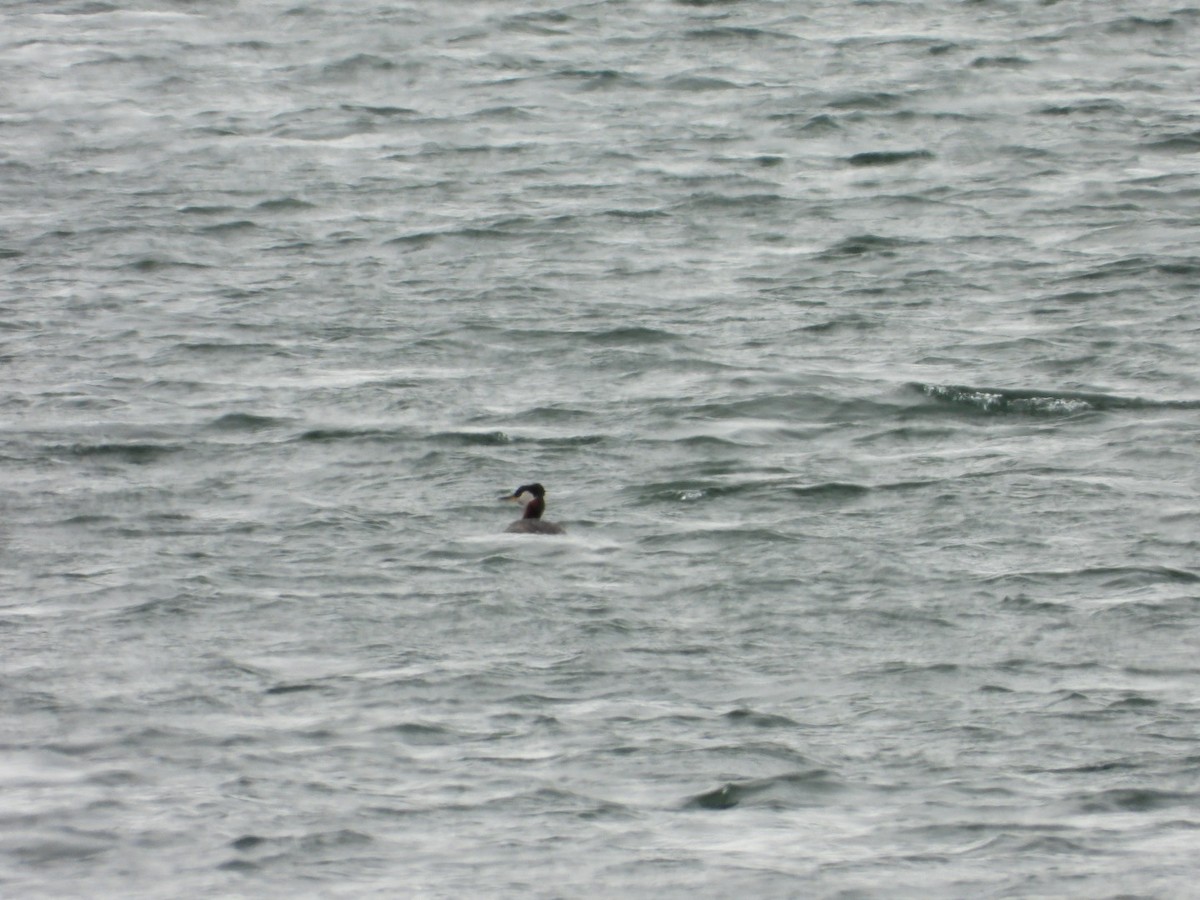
(533, 496)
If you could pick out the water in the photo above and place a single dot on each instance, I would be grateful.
(855, 344)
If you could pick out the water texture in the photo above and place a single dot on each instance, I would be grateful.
(855, 343)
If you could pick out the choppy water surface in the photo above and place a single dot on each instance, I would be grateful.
(855, 343)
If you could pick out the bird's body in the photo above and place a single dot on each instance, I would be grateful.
(534, 526)
(533, 496)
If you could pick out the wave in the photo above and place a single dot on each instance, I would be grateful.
(724, 534)
(836, 491)
(888, 157)
(356, 65)
(691, 490)
(1136, 266)
(1099, 105)
(629, 334)
(1122, 577)
(1000, 62)
(456, 438)
(1001, 401)
(227, 227)
(745, 716)
(698, 83)
(539, 23)
(1135, 24)
(781, 791)
(156, 264)
(807, 126)
(740, 34)
(285, 204)
(1138, 800)
(867, 244)
(867, 100)
(135, 452)
(1188, 142)
(323, 435)
(252, 348)
(509, 228)
(246, 422)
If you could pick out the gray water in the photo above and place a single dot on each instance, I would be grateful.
(856, 345)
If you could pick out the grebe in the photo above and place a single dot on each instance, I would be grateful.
(534, 498)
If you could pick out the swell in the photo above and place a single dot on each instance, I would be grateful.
(791, 790)
(1033, 401)
(1122, 577)
(829, 492)
(461, 438)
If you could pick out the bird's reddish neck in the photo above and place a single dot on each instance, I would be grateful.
(534, 508)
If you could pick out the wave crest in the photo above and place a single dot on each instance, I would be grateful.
(1001, 401)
